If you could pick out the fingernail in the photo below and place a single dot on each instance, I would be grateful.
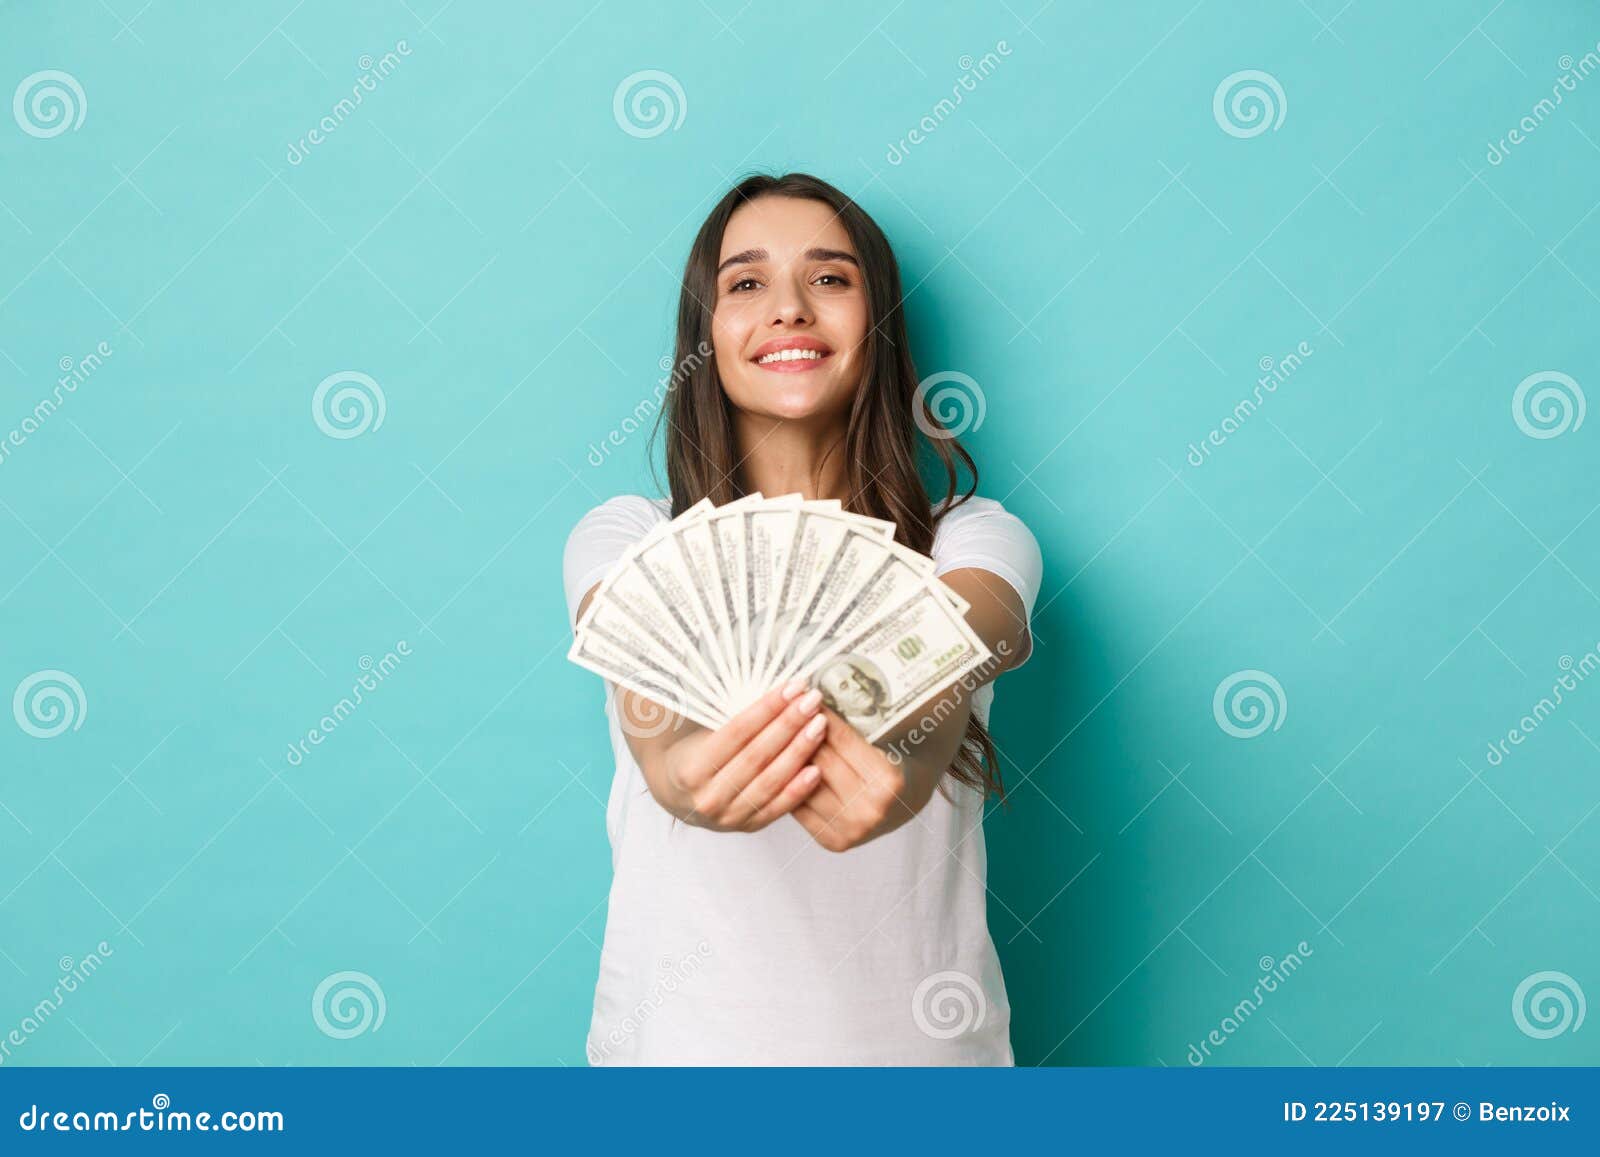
(816, 727)
(809, 774)
(809, 701)
(793, 687)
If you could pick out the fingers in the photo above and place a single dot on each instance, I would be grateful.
(792, 795)
(823, 816)
(777, 773)
(838, 772)
(863, 758)
(755, 758)
(727, 741)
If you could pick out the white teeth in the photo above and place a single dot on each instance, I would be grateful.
(790, 356)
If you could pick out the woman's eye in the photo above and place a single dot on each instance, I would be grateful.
(832, 278)
(742, 285)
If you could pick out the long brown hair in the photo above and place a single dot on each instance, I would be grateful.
(881, 442)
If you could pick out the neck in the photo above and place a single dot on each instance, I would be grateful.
(788, 457)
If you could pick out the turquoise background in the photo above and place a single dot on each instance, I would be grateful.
(1082, 238)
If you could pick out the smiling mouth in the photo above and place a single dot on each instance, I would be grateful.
(793, 360)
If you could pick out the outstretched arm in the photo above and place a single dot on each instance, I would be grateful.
(868, 790)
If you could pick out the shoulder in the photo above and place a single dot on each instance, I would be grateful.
(602, 536)
(976, 515)
(621, 514)
(981, 532)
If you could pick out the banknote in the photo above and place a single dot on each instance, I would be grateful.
(878, 676)
(712, 608)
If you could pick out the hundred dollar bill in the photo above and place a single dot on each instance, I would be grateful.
(768, 529)
(815, 540)
(626, 604)
(880, 675)
(893, 573)
(853, 555)
(616, 656)
(663, 561)
(724, 528)
(692, 540)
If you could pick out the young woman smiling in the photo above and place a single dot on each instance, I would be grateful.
(786, 892)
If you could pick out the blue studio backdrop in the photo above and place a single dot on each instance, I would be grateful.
(320, 326)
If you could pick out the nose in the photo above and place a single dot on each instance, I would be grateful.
(789, 303)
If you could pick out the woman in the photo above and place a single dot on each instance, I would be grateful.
(785, 892)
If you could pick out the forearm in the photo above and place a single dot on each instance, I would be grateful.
(651, 746)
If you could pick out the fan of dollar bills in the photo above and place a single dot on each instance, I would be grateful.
(714, 608)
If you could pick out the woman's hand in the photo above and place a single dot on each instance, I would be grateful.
(863, 794)
(752, 770)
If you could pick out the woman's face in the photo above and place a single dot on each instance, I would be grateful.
(789, 281)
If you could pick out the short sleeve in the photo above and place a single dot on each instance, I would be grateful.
(982, 533)
(601, 537)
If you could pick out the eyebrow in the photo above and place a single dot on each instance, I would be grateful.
(752, 255)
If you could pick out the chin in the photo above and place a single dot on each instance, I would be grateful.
(794, 403)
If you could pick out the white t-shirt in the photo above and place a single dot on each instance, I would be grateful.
(764, 948)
